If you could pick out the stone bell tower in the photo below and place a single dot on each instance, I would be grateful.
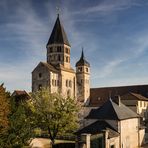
(83, 78)
(58, 47)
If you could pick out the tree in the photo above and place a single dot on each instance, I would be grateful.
(54, 113)
(20, 128)
(4, 110)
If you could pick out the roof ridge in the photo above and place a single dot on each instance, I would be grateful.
(113, 103)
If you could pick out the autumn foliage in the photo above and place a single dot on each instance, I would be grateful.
(4, 109)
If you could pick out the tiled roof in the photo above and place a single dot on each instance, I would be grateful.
(98, 127)
(135, 96)
(58, 35)
(112, 111)
(20, 94)
(82, 61)
(98, 96)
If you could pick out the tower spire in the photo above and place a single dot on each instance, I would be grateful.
(82, 54)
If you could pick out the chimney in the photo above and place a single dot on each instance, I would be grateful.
(117, 100)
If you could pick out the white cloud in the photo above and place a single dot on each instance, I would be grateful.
(108, 6)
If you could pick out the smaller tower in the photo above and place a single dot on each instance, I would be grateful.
(83, 79)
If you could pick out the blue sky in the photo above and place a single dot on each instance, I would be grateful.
(114, 34)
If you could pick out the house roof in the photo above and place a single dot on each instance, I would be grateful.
(98, 96)
(98, 127)
(82, 61)
(21, 94)
(58, 35)
(112, 111)
(135, 97)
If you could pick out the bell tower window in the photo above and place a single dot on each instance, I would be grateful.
(79, 69)
(66, 59)
(86, 69)
(51, 50)
(59, 49)
(67, 50)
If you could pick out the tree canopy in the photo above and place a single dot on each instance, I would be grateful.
(54, 113)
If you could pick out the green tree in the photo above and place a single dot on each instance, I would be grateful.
(20, 128)
(4, 110)
(54, 113)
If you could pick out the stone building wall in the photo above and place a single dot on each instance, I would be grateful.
(129, 133)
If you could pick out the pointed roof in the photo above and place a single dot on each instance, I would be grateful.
(98, 127)
(82, 61)
(58, 35)
(111, 111)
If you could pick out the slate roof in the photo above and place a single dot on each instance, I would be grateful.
(82, 61)
(112, 111)
(58, 35)
(98, 127)
(135, 97)
(98, 96)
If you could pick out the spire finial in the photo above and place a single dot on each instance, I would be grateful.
(58, 11)
(82, 54)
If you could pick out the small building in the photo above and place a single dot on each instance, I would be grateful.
(20, 95)
(113, 125)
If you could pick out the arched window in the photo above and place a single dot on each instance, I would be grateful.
(79, 69)
(86, 69)
(66, 59)
(66, 83)
(70, 83)
(40, 75)
(68, 93)
(40, 87)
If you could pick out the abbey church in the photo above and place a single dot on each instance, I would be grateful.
(115, 107)
(57, 74)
